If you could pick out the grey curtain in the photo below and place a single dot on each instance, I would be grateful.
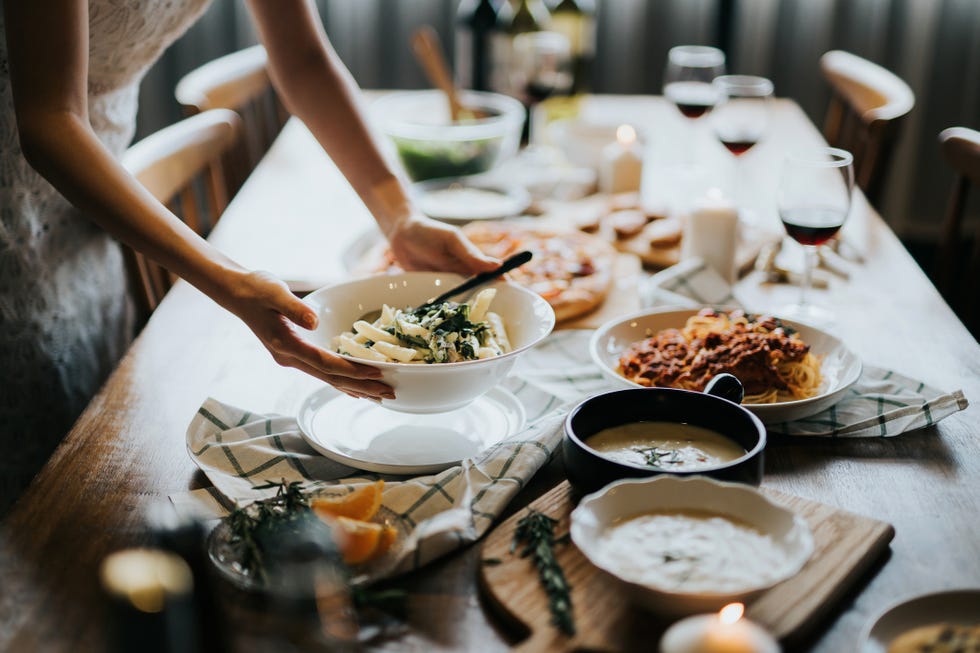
(932, 44)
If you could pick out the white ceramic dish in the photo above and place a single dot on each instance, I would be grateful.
(439, 387)
(452, 200)
(367, 436)
(954, 606)
(631, 497)
(840, 367)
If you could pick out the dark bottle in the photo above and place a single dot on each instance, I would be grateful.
(576, 20)
(476, 22)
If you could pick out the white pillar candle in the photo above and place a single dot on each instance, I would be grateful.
(725, 632)
(711, 233)
(621, 163)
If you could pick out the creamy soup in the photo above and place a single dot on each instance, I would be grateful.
(691, 551)
(667, 445)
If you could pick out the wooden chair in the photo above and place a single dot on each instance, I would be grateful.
(181, 166)
(240, 82)
(957, 270)
(866, 107)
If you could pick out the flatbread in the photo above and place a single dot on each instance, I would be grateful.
(572, 270)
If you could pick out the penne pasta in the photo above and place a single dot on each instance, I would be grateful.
(395, 352)
(348, 345)
(497, 325)
(480, 304)
(447, 333)
(374, 333)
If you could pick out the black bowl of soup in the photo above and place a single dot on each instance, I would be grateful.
(642, 432)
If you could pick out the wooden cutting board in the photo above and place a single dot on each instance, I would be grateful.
(846, 546)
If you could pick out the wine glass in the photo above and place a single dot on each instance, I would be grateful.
(813, 199)
(740, 118)
(687, 79)
(543, 67)
(687, 84)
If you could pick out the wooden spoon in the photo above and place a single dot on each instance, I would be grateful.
(425, 44)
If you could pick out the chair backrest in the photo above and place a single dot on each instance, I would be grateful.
(240, 82)
(866, 107)
(181, 166)
(957, 270)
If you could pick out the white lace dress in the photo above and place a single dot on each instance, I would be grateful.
(65, 316)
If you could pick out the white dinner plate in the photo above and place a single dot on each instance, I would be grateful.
(840, 367)
(366, 436)
(960, 607)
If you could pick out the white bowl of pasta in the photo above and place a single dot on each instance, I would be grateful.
(437, 358)
(790, 370)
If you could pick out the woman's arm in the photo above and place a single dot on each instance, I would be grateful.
(47, 46)
(316, 86)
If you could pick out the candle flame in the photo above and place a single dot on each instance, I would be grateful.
(625, 134)
(731, 613)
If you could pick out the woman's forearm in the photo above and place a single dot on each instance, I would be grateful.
(317, 88)
(62, 147)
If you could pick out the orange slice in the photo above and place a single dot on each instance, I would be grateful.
(388, 536)
(360, 504)
(357, 540)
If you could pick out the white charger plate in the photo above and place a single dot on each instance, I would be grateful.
(840, 367)
(954, 606)
(364, 435)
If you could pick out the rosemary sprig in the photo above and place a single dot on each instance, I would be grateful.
(274, 518)
(536, 531)
(657, 457)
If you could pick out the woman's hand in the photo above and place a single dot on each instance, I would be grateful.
(270, 310)
(420, 243)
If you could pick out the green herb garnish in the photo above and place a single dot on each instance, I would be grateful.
(657, 457)
(536, 531)
(261, 529)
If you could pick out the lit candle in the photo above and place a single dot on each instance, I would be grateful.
(725, 632)
(621, 163)
(710, 233)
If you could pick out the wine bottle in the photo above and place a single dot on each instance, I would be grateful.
(530, 16)
(576, 20)
(476, 21)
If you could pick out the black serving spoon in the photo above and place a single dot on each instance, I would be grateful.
(475, 281)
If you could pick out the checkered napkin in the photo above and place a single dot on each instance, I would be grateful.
(881, 403)
(239, 450)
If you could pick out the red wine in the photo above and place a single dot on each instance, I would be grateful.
(812, 226)
(737, 147)
(693, 99)
(693, 110)
(538, 92)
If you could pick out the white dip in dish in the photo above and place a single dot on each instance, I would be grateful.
(691, 551)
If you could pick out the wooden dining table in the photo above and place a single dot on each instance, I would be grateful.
(297, 217)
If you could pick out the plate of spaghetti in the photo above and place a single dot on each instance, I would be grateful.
(789, 370)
